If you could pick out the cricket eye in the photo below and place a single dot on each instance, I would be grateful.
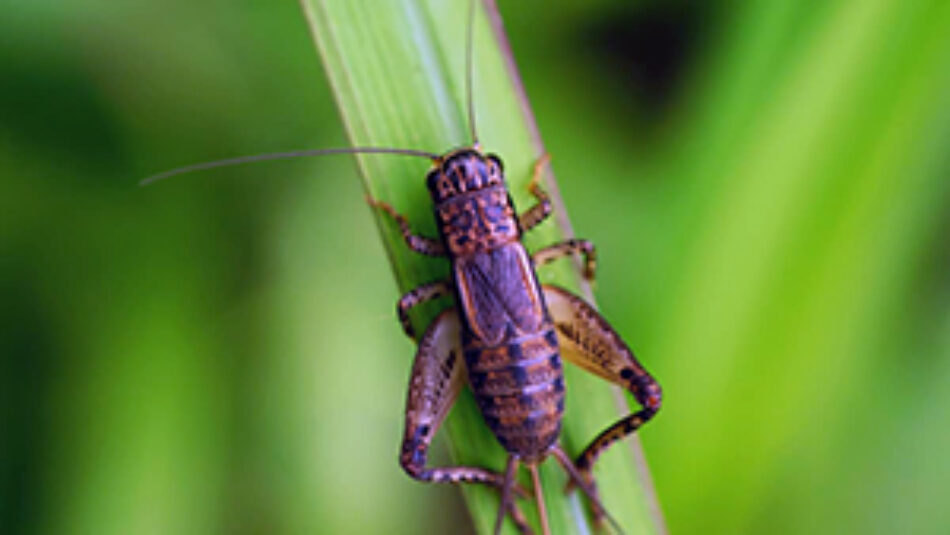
(495, 166)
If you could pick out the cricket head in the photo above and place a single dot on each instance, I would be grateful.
(462, 171)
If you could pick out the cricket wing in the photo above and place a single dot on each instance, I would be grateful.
(498, 290)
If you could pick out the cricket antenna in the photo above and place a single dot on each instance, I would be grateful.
(469, 52)
(284, 156)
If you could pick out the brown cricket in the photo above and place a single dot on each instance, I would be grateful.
(511, 332)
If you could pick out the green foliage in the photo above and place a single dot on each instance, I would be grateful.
(217, 353)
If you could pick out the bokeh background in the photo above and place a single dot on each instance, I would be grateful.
(768, 183)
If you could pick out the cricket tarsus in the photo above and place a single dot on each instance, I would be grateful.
(588, 488)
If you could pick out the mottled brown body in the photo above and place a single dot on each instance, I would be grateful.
(509, 342)
(506, 334)
(510, 333)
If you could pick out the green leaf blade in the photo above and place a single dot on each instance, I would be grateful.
(398, 73)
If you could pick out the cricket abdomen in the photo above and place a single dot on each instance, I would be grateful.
(519, 387)
(511, 349)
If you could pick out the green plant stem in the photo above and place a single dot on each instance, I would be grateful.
(397, 73)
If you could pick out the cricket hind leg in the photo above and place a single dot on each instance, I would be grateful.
(437, 379)
(539, 212)
(588, 341)
(587, 485)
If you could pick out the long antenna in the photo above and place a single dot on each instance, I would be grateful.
(469, 52)
(283, 156)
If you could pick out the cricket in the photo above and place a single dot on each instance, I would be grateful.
(507, 335)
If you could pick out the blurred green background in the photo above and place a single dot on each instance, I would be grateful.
(768, 183)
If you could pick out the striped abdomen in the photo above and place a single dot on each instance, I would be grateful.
(519, 387)
(511, 349)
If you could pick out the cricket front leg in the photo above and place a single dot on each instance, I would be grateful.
(588, 341)
(419, 244)
(539, 212)
(437, 378)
